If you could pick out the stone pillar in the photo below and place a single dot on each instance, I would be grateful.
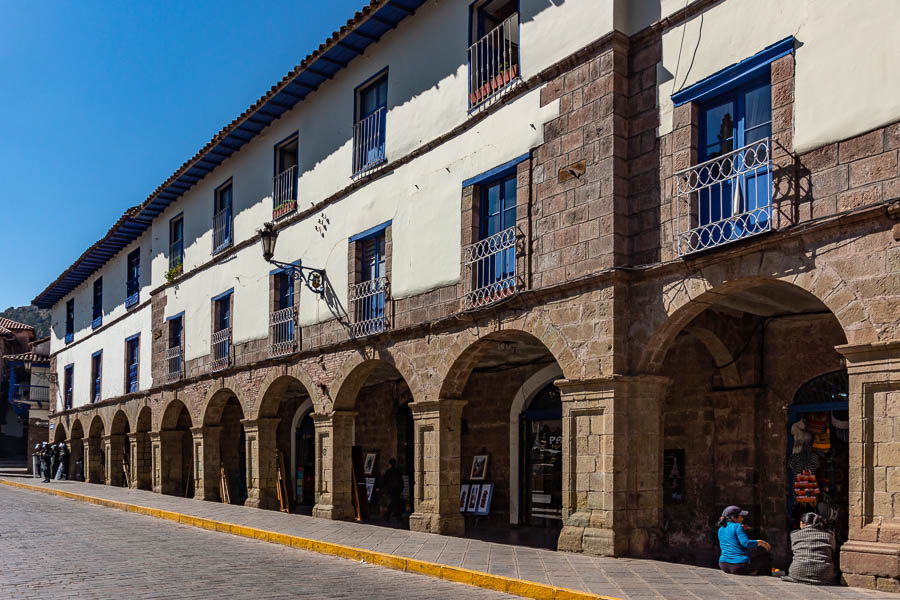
(207, 462)
(260, 439)
(612, 464)
(871, 556)
(114, 450)
(437, 427)
(93, 460)
(167, 462)
(140, 460)
(155, 461)
(334, 464)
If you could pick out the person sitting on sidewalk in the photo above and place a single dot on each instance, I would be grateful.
(813, 547)
(735, 546)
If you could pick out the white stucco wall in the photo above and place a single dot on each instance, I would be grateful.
(847, 60)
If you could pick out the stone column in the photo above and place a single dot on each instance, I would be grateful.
(140, 460)
(260, 439)
(334, 464)
(93, 460)
(207, 462)
(437, 427)
(168, 461)
(114, 450)
(612, 464)
(871, 556)
(156, 461)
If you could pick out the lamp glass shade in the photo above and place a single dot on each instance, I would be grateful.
(267, 236)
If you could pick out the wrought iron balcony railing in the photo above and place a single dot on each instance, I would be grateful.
(284, 192)
(222, 230)
(368, 142)
(174, 363)
(283, 328)
(369, 307)
(220, 350)
(489, 269)
(724, 199)
(494, 62)
(39, 394)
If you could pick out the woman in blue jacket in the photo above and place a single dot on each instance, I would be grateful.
(735, 546)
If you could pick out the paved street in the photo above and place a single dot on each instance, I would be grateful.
(92, 561)
(56, 548)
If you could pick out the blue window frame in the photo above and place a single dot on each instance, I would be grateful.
(176, 330)
(370, 120)
(284, 184)
(176, 243)
(68, 382)
(221, 322)
(285, 290)
(96, 375)
(70, 320)
(97, 308)
(498, 213)
(222, 217)
(132, 361)
(133, 280)
(371, 307)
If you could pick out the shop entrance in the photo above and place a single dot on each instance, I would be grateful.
(541, 435)
(304, 464)
(818, 452)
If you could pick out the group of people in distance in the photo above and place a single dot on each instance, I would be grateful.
(813, 547)
(53, 460)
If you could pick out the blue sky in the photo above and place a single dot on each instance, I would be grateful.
(103, 101)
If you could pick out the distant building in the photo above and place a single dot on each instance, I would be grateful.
(605, 262)
(25, 385)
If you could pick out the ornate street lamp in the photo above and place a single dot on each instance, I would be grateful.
(313, 278)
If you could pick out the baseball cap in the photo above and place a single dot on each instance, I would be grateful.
(733, 511)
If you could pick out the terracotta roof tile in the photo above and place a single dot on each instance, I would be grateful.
(8, 326)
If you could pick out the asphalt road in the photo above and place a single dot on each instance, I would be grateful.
(55, 548)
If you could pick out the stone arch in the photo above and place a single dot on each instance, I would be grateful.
(214, 401)
(94, 458)
(523, 396)
(695, 295)
(470, 348)
(77, 430)
(97, 428)
(356, 370)
(120, 424)
(140, 449)
(275, 383)
(76, 448)
(172, 413)
(174, 473)
(143, 422)
(59, 433)
(721, 355)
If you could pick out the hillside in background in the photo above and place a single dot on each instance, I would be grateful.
(30, 315)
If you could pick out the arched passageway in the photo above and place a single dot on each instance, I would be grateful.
(118, 451)
(225, 466)
(735, 369)
(140, 452)
(76, 447)
(173, 469)
(286, 403)
(94, 459)
(59, 434)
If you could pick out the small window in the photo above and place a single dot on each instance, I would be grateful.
(96, 375)
(498, 221)
(175, 351)
(133, 282)
(221, 338)
(132, 359)
(68, 380)
(97, 308)
(176, 246)
(70, 320)
(222, 218)
(369, 125)
(176, 327)
(493, 55)
(284, 185)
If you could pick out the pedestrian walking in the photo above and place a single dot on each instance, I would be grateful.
(54, 459)
(62, 472)
(46, 457)
(735, 546)
(36, 461)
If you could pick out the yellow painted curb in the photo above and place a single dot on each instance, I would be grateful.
(518, 587)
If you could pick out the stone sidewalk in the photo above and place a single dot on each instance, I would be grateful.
(625, 578)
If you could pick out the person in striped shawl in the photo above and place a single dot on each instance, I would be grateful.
(813, 547)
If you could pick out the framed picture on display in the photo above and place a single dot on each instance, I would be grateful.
(479, 467)
(484, 499)
(463, 497)
(369, 464)
(370, 486)
(473, 498)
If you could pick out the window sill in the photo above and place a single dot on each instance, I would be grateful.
(132, 300)
(221, 248)
(284, 210)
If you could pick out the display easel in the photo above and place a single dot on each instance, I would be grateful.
(125, 473)
(360, 501)
(223, 486)
(284, 501)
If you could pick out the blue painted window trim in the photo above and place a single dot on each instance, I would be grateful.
(173, 317)
(97, 305)
(371, 231)
(68, 386)
(223, 295)
(131, 338)
(736, 74)
(369, 82)
(229, 240)
(496, 172)
(133, 279)
(97, 377)
(137, 362)
(180, 258)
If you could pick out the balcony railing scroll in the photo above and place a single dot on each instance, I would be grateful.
(489, 269)
(220, 346)
(283, 328)
(368, 142)
(370, 307)
(174, 363)
(284, 192)
(494, 62)
(724, 199)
